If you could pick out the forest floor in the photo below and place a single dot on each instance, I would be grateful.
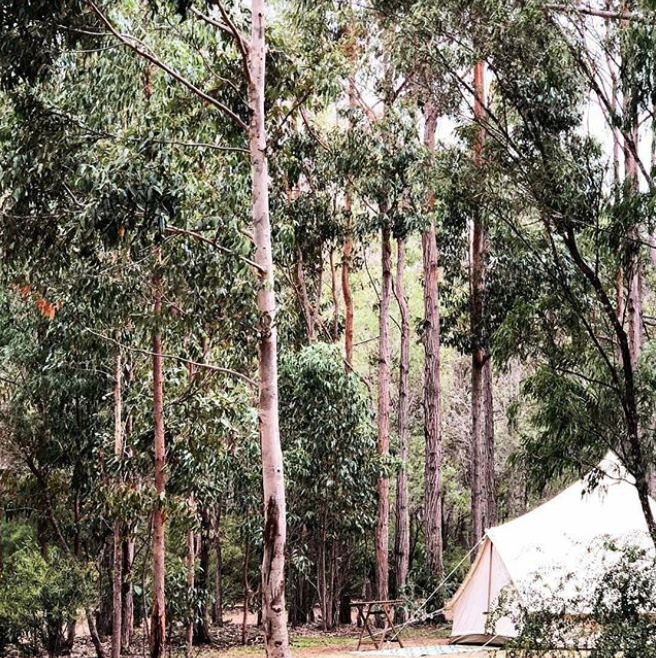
(305, 643)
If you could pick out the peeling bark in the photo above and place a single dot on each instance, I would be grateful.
(402, 540)
(382, 517)
(158, 612)
(432, 384)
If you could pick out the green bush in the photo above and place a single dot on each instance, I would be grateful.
(38, 596)
(617, 599)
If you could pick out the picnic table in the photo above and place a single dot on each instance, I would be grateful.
(368, 610)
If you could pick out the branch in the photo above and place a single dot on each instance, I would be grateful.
(371, 115)
(601, 13)
(132, 43)
(206, 366)
(231, 29)
(311, 130)
(193, 234)
(201, 145)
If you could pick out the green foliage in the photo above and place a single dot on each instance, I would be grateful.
(330, 464)
(619, 599)
(39, 596)
(328, 441)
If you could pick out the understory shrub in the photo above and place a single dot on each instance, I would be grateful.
(39, 596)
(608, 612)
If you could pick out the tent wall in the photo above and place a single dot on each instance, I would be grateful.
(479, 593)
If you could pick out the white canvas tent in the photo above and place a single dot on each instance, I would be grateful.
(555, 538)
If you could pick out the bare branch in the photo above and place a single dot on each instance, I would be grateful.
(231, 29)
(202, 145)
(312, 131)
(206, 366)
(198, 236)
(601, 13)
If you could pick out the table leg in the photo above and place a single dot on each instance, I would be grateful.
(390, 619)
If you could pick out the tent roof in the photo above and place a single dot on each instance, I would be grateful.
(561, 534)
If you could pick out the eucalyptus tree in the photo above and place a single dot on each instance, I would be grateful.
(549, 175)
(119, 193)
(328, 443)
(250, 58)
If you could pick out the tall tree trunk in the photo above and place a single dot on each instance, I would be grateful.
(117, 571)
(247, 593)
(432, 383)
(275, 514)
(321, 576)
(489, 446)
(158, 614)
(333, 292)
(634, 274)
(482, 446)
(347, 256)
(127, 625)
(202, 631)
(191, 586)
(382, 518)
(218, 574)
(402, 540)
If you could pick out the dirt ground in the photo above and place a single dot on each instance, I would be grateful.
(305, 643)
(312, 643)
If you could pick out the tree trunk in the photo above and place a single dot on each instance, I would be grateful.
(432, 383)
(127, 625)
(333, 292)
(93, 632)
(218, 576)
(117, 572)
(104, 616)
(306, 304)
(488, 446)
(402, 542)
(321, 576)
(191, 585)
(247, 593)
(347, 255)
(202, 631)
(158, 614)
(382, 518)
(482, 443)
(275, 513)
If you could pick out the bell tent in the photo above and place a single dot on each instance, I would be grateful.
(556, 545)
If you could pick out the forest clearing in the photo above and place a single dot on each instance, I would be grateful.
(327, 328)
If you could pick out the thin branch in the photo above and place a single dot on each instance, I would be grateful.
(202, 145)
(241, 42)
(196, 364)
(312, 131)
(601, 13)
(132, 43)
(198, 236)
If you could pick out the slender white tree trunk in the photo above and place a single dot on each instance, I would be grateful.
(275, 522)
